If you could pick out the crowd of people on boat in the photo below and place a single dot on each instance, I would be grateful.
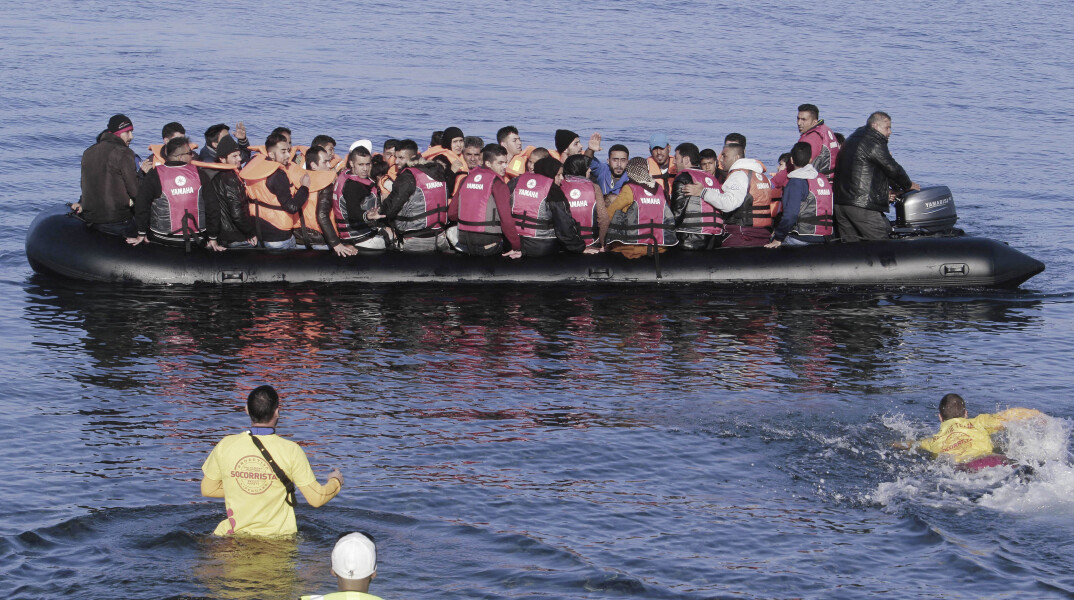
(466, 196)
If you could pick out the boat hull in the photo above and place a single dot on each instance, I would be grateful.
(60, 244)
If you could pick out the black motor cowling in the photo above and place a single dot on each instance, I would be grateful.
(930, 210)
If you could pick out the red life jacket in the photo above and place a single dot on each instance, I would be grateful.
(823, 161)
(700, 217)
(426, 209)
(477, 208)
(339, 207)
(529, 206)
(583, 202)
(756, 209)
(815, 214)
(180, 205)
(648, 221)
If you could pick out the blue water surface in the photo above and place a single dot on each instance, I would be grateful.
(545, 442)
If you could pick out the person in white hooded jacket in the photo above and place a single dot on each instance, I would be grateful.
(744, 200)
(807, 204)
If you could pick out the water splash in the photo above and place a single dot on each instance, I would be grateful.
(1043, 484)
(1043, 444)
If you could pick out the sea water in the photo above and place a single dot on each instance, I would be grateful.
(545, 442)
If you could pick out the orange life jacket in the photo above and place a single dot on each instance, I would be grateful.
(382, 182)
(156, 148)
(318, 181)
(756, 209)
(264, 151)
(435, 151)
(263, 203)
(663, 180)
(517, 165)
(215, 166)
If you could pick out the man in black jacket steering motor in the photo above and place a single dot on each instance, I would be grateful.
(864, 175)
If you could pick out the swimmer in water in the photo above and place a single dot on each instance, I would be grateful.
(969, 441)
(354, 563)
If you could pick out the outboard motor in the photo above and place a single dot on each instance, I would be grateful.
(929, 211)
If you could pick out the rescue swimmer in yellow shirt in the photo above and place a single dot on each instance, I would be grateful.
(257, 472)
(969, 441)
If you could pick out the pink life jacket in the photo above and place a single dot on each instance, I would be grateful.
(180, 207)
(815, 214)
(529, 206)
(583, 202)
(700, 217)
(426, 209)
(648, 221)
(824, 160)
(477, 209)
(339, 207)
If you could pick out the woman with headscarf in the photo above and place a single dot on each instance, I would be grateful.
(642, 221)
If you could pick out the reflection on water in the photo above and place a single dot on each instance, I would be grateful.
(324, 342)
(243, 567)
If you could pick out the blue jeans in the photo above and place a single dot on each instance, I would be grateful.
(288, 244)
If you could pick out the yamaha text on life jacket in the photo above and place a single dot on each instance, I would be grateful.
(583, 199)
(529, 206)
(700, 217)
(647, 222)
(477, 208)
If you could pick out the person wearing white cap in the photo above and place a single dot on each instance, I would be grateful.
(368, 145)
(354, 563)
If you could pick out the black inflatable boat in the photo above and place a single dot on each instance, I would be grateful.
(59, 243)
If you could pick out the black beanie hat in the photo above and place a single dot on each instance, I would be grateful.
(564, 137)
(225, 146)
(547, 166)
(119, 123)
(449, 134)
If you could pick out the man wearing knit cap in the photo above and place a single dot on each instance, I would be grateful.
(542, 213)
(237, 227)
(568, 144)
(109, 179)
(354, 563)
(453, 140)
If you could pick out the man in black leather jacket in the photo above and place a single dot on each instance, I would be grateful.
(864, 175)
(237, 227)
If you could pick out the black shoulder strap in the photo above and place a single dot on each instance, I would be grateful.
(284, 479)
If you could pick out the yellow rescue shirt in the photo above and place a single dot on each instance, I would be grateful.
(968, 439)
(254, 497)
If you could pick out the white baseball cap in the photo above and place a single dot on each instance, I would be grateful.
(368, 145)
(354, 557)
